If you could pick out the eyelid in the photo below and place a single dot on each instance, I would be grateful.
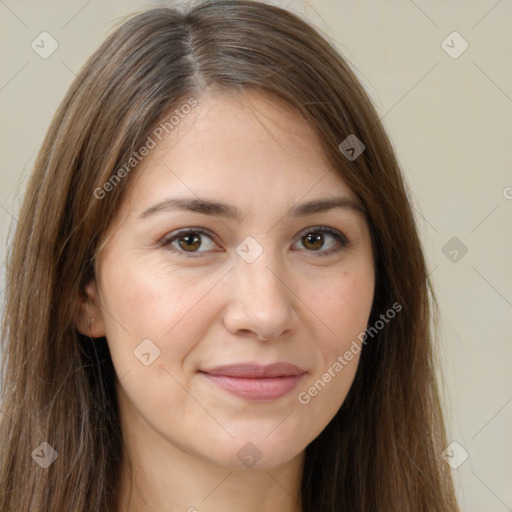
(335, 233)
(338, 235)
(325, 229)
(171, 237)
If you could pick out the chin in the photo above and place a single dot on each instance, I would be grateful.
(255, 452)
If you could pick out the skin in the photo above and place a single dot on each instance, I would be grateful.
(291, 304)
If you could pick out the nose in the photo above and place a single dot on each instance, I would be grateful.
(261, 303)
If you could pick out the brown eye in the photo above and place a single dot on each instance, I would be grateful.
(324, 241)
(313, 241)
(190, 242)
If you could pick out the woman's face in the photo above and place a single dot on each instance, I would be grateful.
(228, 292)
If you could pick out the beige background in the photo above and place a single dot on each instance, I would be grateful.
(450, 120)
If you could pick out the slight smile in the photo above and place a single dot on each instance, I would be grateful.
(256, 382)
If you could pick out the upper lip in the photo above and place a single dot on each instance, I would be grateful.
(255, 371)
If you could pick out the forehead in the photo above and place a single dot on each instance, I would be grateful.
(240, 147)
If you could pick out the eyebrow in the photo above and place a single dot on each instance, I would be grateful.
(229, 211)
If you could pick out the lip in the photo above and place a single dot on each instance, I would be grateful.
(256, 382)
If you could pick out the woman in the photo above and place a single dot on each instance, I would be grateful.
(216, 295)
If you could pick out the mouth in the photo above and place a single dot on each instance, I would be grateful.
(256, 382)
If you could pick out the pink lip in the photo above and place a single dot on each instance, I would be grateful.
(256, 382)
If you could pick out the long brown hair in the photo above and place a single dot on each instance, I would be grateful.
(382, 449)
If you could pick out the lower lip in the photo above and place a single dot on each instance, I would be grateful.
(257, 388)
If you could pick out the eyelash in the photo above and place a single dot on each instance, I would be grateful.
(339, 237)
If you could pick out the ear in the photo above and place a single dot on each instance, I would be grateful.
(89, 318)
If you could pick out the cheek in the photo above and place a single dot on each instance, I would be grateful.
(146, 302)
(344, 303)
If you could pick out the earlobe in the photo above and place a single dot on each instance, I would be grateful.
(89, 316)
